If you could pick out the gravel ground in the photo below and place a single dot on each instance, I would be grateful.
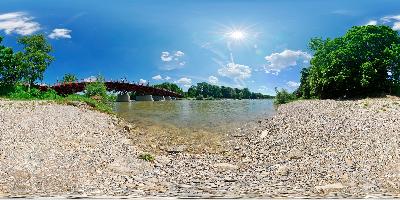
(310, 148)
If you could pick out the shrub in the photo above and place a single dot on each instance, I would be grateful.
(283, 96)
(147, 157)
(199, 97)
(97, 88)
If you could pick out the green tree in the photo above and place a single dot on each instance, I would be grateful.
(363, 62)
(97, 88)
(10, 66)
(35, 57)
(69, 78)
(170, 86)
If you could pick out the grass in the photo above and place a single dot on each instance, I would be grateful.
(22, 92)
(146, 157)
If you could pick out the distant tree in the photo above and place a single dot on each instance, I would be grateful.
(365, 61)
(170, 86)
(69, 78)
(35, 57)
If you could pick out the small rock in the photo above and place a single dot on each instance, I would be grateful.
(330, 186)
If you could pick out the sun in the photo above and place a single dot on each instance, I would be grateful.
(237, 35)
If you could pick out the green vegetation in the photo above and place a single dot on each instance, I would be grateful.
(69, 78)
(283, 96)
(363, 62)
(97, 88)
(170, 86)
(20, 70)
(146, 157)
(207, 91)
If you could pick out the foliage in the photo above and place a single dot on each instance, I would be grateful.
(22, 92)
(69, 78)
(283, 96)
(170, 86)
(100, 105)
(35, 57)
(97, 88)
(208, 91)
(10, 67)
(363, 62)
(146, 157)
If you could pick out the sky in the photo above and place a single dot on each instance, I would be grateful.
(258, 44)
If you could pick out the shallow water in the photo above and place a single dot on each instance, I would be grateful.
(215, 115)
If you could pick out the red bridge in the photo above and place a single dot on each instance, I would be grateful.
(122, 87)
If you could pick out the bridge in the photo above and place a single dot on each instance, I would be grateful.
(144, 92)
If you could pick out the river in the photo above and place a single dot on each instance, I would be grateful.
(208, 115)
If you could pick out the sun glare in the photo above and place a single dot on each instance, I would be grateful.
(237, 35)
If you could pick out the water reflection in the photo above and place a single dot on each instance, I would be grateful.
(204, 115)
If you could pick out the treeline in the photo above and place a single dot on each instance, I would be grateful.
(363, 62)
(171, 87)
(207, 91)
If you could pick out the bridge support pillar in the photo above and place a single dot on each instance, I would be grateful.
(123, 97)
(145, 98)
(158, 98)
(168, 98)
(173, 98)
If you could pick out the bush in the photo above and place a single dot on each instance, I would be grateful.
(199, 97)
(283, 96)
(22, 92)
(101, 106)
(97, 88)
(147, 157)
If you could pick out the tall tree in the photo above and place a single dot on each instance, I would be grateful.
(35, 57)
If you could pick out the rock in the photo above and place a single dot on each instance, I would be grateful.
(282, 170)
(330, 186)
(129, 128)
(264, 134)
(226, 166)
(176, 149)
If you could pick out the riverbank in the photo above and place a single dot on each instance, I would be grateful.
(307, 149)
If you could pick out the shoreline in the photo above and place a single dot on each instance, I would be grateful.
(309, 148)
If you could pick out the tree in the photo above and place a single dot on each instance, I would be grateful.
(10, 66)
(365, 61)
(35, 57)
(170, 86)
(69, 78)
(97, 88)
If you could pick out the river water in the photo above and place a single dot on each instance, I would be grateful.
(208, 115)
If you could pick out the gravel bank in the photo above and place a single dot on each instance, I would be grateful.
(308, 149)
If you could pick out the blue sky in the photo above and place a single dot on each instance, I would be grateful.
(258, 44)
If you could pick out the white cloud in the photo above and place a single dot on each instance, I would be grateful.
(165, 56)
(142, 81)
(391, 20)
(19, 23)
(213, 80)
(90, 79)
(396, 26)
(158, 77)
(167, 78)
(179, 54)
(172, 60)
(285, 59)
(184, 80)
(60, 33)
(293, 84)
(235, 71)
(372, 22)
